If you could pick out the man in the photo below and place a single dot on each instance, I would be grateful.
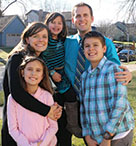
(82, 18)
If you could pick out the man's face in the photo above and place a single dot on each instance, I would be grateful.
(82, 19)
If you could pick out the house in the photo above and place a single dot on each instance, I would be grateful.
(35, 15)
(70, 26)
(113, 32)
(11, 28)
(40, 15)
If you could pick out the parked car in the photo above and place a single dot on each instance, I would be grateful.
(119, 47)
(125, 53)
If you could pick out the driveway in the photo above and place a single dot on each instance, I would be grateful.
(131, 67)
(1, 78)
(1, 75)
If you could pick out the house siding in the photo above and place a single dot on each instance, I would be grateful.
(14, 27)
(40, 15)
(32, 17)
(0, 38)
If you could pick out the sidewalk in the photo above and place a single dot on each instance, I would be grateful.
(1, 75)
(131, 67)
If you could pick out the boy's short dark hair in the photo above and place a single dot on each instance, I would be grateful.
(94, 34)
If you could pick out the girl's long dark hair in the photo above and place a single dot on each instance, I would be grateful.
(45, 82)
(50, 17)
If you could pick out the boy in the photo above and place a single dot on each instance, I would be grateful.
(106, 116)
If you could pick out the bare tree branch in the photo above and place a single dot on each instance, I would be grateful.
(23, 4)
(8, 6)
(129, 6)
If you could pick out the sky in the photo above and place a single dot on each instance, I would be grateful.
(104, 10)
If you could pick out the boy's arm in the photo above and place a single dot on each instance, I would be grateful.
(90, 141)
(118, 99)
(83, 117)
(105, 143)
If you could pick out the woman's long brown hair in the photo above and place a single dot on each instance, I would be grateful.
(29, 31)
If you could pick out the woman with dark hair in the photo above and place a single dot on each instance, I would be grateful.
(34, 40)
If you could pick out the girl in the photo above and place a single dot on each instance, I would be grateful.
(34, 40)
(65, 96)
(26, 127)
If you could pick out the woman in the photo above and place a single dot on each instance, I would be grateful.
(34, 40)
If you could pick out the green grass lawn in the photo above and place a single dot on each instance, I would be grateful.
(1, 98)
(4, 54)
(132, 99)
(6, 49)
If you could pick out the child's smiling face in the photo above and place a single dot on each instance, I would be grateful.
(33, 73)
(94, 50)
(56, 26)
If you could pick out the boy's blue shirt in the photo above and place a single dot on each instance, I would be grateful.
(71, 52)
(103, 102)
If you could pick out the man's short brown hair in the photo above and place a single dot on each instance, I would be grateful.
(81, 5)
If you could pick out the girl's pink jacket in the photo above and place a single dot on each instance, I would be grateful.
(28, 128)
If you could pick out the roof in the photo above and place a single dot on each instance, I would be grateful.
(5, 20)
(40, 13)
(66, 14)
(37, 12)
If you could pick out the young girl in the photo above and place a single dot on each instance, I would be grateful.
(28, 128)
(34, 40)
(66, 97)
